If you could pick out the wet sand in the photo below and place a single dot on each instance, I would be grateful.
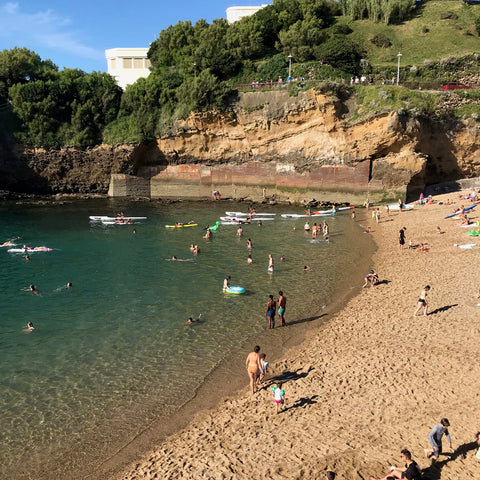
(371, 381)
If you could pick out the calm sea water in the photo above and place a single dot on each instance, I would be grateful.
(113, 353)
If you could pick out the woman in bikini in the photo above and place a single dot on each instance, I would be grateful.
(253, 365)
(422, 302)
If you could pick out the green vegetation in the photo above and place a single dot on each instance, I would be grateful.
(199, 66)
(376, 99)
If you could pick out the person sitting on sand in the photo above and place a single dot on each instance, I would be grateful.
(193, 320)
(439, 230)
(411, 471)
(370, 278)
(422, 302)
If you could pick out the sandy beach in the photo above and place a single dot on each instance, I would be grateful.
(370, 382)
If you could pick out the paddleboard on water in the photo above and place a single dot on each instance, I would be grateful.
(243, 214)
(29, 250)
(456, 213)
(333, 211)
(256, 219)
(235, 290)
(101, 218)
(182, 226)
(295, 215)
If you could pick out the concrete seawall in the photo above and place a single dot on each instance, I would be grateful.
(246, 180)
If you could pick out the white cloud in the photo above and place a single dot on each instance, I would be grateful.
(43, 28)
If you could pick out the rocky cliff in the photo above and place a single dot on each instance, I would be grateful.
(269, 140)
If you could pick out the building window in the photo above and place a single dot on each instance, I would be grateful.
(127, 63)
(147, 63)
(138, 63)
(113, 63)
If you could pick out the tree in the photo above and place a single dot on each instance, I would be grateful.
(205, 91)
(20, 65)
(302, 37)
(274, 67)
(340, 52)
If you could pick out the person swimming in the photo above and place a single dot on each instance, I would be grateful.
(193, 320)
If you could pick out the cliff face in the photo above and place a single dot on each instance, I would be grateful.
(270, 139)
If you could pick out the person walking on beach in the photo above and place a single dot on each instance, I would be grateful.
(270, 312)
(411, 471)
(282, 304)
(252, 364)
(435, 439)
(278, 396)
(422, 302)
(401, 238)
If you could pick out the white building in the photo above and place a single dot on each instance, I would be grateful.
(234, 14)
(127, 65)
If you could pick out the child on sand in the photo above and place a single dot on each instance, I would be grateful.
(263, 367)
(278, 396)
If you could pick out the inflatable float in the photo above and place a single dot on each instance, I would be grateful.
(213, 228)
(235, 290)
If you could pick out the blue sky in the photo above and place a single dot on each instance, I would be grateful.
(76, 33)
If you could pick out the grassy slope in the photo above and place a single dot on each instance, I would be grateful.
(445, 38)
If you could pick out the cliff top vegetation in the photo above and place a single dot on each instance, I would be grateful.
(201, 66)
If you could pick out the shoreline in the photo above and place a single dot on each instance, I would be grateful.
(228, 380)
(365, 384)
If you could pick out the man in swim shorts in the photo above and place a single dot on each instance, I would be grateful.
(282, 303)
(270, 312)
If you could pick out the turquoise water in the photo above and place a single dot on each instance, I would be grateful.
(113, 353)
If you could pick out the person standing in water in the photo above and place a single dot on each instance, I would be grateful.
(270, 263)
(282, 303)
(270, 312)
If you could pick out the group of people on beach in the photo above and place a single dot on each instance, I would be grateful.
(272, 307)
(411, 470)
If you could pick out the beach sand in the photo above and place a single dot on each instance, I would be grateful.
(371, 381)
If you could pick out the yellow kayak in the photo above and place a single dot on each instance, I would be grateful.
(182, 226)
